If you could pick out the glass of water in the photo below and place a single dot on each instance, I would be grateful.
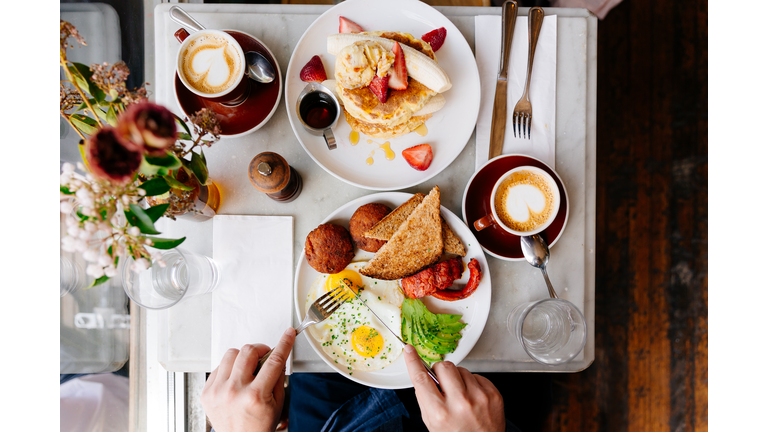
(183, 274)
(552, 331)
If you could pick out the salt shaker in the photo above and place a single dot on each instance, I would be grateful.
(271, 174)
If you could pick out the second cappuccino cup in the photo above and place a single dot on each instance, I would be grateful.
(211, 64)
(524, 202)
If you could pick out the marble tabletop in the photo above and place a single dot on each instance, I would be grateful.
(179, 338)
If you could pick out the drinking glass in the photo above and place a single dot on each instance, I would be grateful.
(184, 274)
(552, 331)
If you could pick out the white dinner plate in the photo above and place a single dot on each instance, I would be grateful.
(474, 309)
(448, 130)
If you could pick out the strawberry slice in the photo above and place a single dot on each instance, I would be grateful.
(379, 87)
(348, 26)
(435, 38)
(313, 71)
(418, 157)
(398, 75)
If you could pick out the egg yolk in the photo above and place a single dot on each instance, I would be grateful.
(351, 277)
(367, 341)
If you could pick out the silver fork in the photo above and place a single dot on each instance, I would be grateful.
(321, 309)
(523, 114)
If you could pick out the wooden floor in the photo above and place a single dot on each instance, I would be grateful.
(650, 369)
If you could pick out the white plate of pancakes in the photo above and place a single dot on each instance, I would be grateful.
(448, 130)
(474, 309)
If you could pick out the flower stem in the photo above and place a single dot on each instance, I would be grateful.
(79, 90)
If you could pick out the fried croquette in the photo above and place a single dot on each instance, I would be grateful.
(329, 248)
(365, 217)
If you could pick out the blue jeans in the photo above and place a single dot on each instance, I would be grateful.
(328, 402)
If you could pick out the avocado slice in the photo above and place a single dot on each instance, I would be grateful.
(430, 340)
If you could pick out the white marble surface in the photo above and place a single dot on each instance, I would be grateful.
(180, 331)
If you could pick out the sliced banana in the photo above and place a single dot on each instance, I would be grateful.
(433, 105)
(420, 67)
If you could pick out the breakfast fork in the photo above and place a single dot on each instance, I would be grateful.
(320, 309)
(522, 116)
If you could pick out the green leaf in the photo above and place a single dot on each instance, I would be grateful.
(168, 161)
(112, 116)
(156, 212)
(183, 125)
(84, 124)
(113, 94)
(185, 136)
(161, 243)
(101, 113)
(98, 281)
(138, 218)
(175, 184)
(83, 74)
(65, 190)
(155, 186)
(198, 168)
(202, 156)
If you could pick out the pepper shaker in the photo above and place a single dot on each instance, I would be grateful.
(271, 174)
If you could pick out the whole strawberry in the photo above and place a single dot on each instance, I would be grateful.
(313, 71)
(435, 38)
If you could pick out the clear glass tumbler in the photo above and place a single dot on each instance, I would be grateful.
(552, 331)
(183, 274)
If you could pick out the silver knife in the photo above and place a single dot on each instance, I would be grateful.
(426, 365)
(499, 116)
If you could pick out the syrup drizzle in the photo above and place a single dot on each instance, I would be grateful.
(354, 137)
(385, 147)
(422, 130)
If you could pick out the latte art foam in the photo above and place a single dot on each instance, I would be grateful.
(211, 64)
(524, 201)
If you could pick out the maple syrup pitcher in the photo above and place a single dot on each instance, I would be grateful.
(318, 109)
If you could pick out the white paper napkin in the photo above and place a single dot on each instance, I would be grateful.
(543, 92)
(254, 300)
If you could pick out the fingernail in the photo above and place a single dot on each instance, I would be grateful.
(408, 349)
(290, 331)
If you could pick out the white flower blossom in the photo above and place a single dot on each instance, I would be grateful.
(68, 244)
(94, 270)
(85, 197)
(80, 166)
(65, 178)
(73, 230)
(90, 227)
(140, 265)
(66, 207)
(91, 255)
(105, 260)
(110, 271)
(68, 167)
(125, 199)
(142, 192)
(134, 231)
(148, 242)
(81, 245)
(85, 235)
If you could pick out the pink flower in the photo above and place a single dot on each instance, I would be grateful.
(148, 126)
(111, 158)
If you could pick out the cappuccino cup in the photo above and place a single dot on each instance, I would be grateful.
(211, 64)
(524, 202)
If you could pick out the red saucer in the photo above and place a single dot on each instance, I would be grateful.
(477, 203)
(251, 114)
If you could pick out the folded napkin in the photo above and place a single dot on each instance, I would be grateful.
(254, 300)
(542, 93)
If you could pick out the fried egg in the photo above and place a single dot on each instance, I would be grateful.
(352, 337)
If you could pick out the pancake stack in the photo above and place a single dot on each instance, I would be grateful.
(404, 110)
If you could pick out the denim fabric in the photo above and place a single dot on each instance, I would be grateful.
(374, 410)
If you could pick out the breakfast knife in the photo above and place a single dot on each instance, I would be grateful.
(426, 365)
(499, 116)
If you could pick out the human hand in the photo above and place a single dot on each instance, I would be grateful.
(467, 403)
(235, 400)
